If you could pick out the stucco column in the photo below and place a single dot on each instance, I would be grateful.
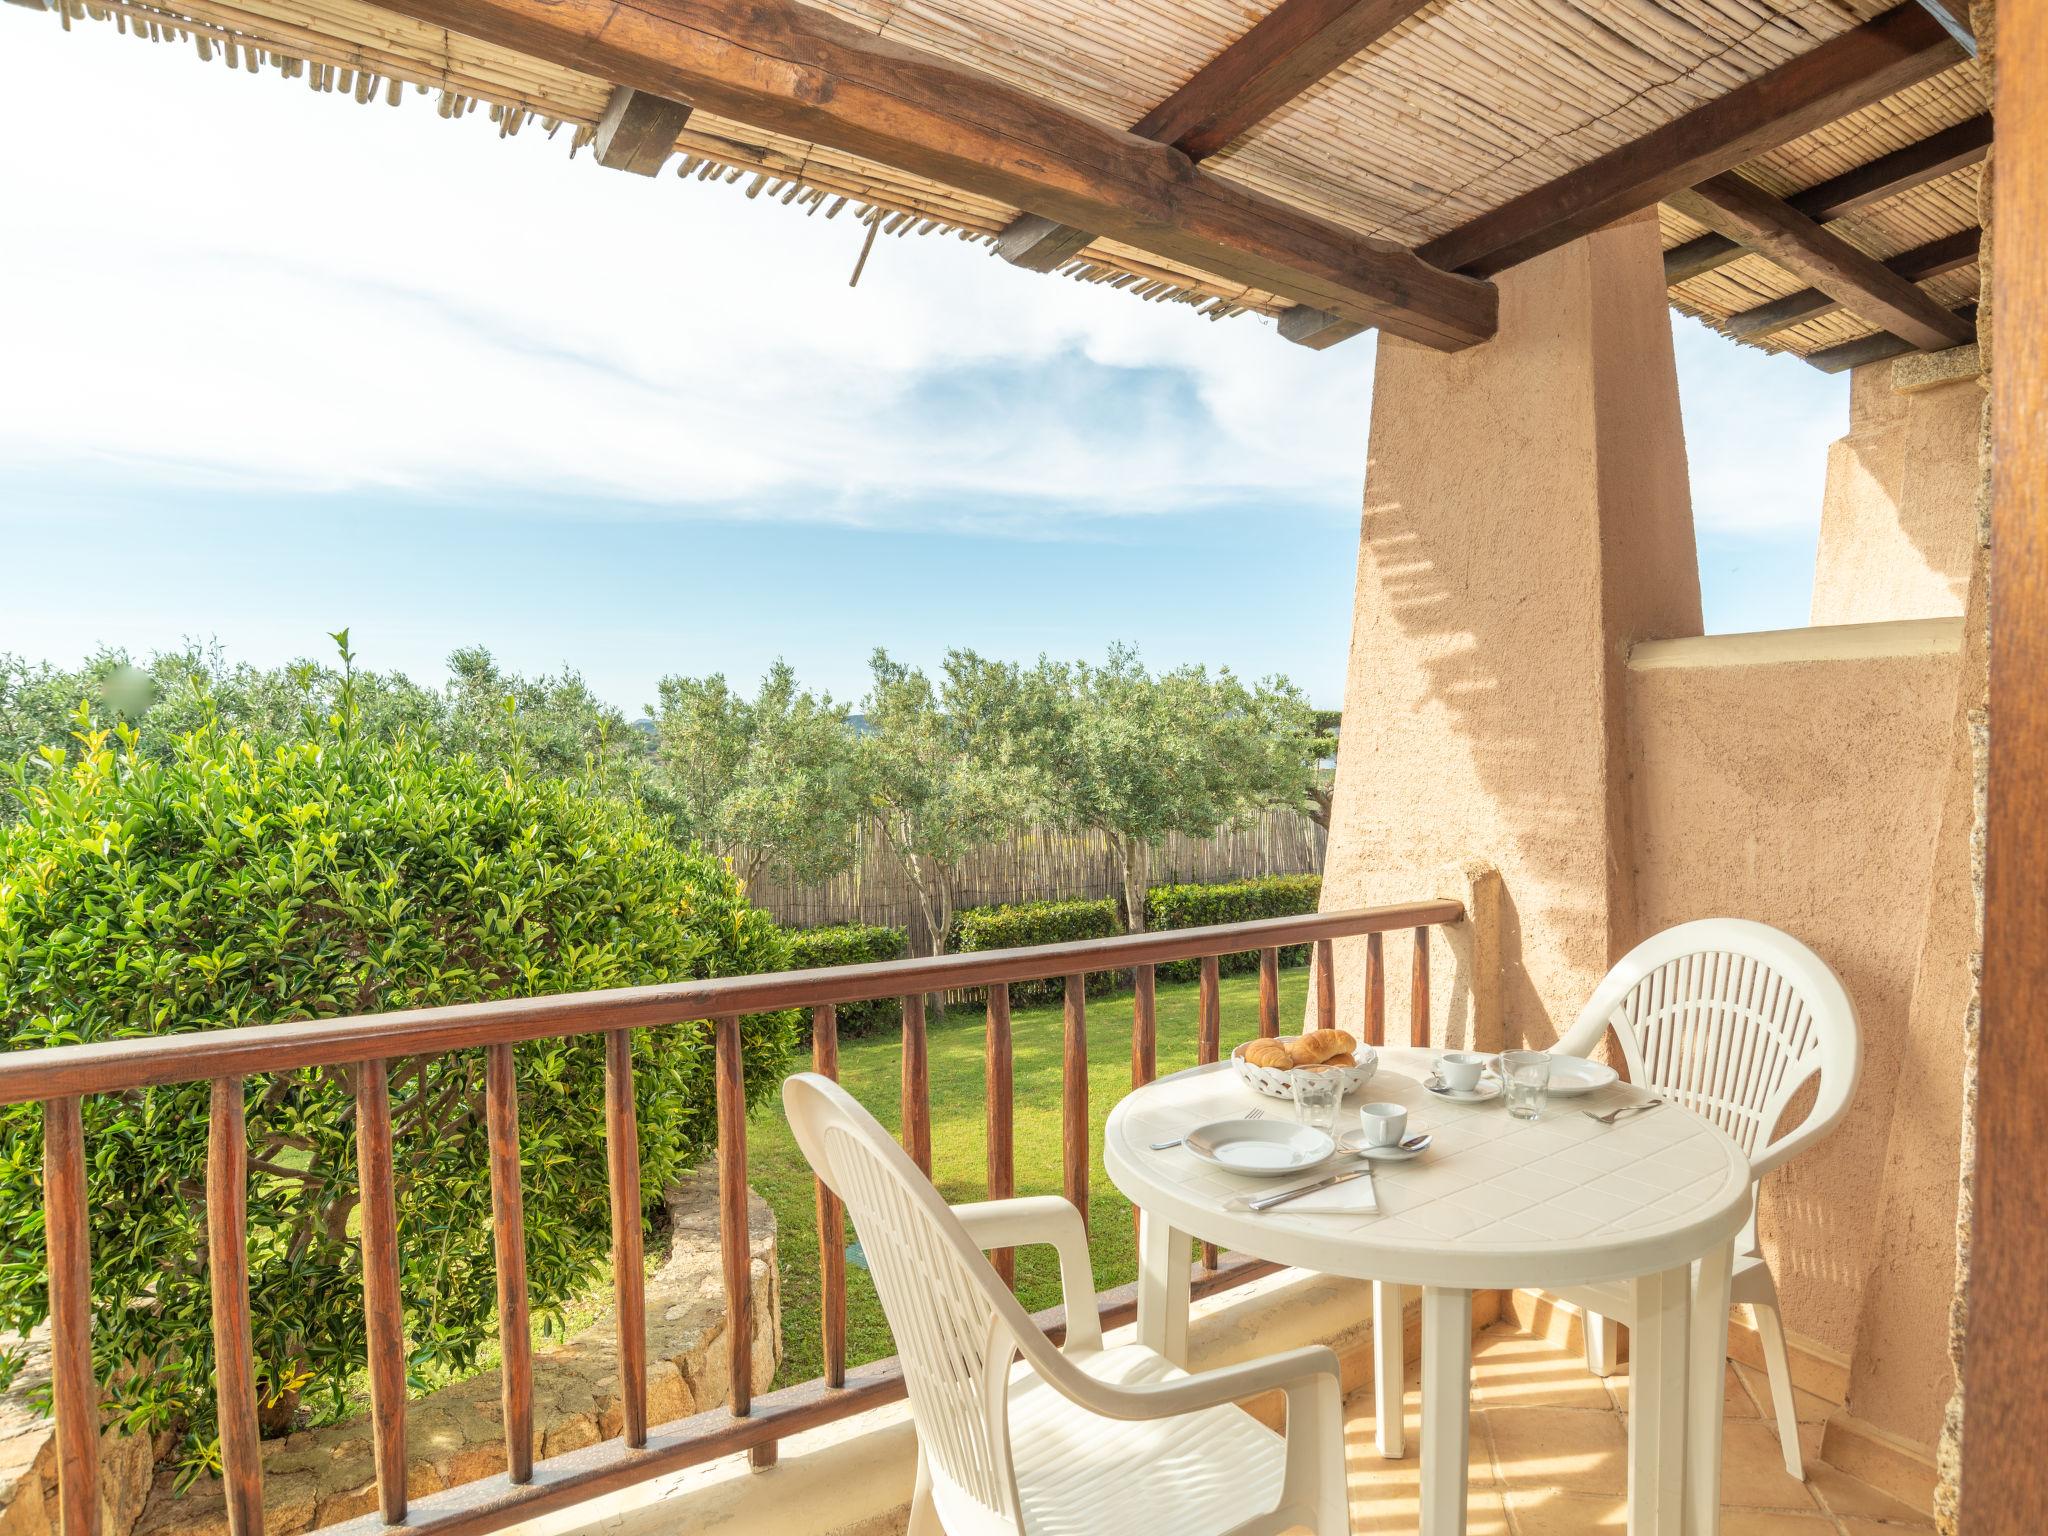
(1527, 517)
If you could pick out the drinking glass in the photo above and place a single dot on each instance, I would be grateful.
(1526, 1075)
(1316, 1095)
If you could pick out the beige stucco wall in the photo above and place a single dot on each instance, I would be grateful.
(1808, 779)
(1526, 517)
(1896, 520)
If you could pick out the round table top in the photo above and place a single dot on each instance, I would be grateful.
(1494, 1202)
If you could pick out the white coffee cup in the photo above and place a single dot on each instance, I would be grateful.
(1383, 1125)
(1461, 1070)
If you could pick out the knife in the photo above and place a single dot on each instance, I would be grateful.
(1267, 1202)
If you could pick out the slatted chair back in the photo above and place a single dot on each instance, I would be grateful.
(957, 1327)
(1730, 1018)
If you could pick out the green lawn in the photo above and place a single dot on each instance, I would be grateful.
(869, 1069)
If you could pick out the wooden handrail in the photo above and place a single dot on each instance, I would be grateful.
(369, 1044)
(115, 1065)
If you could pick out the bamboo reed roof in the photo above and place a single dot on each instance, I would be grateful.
(1457, 109)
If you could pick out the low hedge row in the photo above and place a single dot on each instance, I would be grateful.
(1238, 901)
(1037, 922)
(853, 944)
(1058, 922)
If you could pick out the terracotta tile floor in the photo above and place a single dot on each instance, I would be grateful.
(1549, 1456)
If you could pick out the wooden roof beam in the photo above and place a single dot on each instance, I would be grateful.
(1848, 72)
(1875, 347)
(1955, 16)
(1288, 50)
(1887, 176)
(1917, 265)
(638, 132)
(1769, 225)
(792, 68)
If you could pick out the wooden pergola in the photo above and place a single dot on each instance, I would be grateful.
(1338, 164)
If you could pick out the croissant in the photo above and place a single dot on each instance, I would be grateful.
(1342, 1059)
(1267, 1053)
(1320, 1045)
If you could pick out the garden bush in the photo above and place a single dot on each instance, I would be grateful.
(1038, 922)
(222, 882)
(853, 944)
(1239, 901)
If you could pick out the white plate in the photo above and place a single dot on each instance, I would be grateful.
(1489, 1088)
(1354, 1142)
(1571, 1076)
(1262, 1148)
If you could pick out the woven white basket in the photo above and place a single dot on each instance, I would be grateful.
(1278, 1082)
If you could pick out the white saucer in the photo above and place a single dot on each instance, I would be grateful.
(1354, 1143)
(1571, 1076)
(1489, 1088)
(1262, 1149)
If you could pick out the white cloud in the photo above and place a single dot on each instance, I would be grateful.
(234, 277)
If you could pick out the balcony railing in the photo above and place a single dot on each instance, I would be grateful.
(57, 1078)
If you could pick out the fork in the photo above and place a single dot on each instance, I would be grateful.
(1613, 1115)
(1167, 1146)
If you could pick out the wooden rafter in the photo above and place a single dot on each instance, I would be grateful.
(1288, 50)
(638, 132)
(1874, 348)
(1744, 211)
(1848, 72)
(1917, 265)
(1887, 176)
(795, 69)
(1955, 15)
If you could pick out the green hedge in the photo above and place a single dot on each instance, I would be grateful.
(1037, 922)
(853, 944)
(1197, 906)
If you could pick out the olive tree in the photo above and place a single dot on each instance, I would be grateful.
(1117, 750)
(938, 773)
(773, 782)
(219, 879)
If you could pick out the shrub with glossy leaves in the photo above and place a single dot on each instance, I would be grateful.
(224, 882)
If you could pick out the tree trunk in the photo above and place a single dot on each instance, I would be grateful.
(1135, 857)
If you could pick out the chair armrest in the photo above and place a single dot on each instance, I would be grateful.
(1048, 1219)
(1307, 1377)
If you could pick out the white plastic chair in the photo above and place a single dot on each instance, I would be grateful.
(1728, 1019)
(1070, 1440)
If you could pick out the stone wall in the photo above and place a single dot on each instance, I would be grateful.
(323, 1476)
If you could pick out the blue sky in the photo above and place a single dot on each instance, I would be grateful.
(279, 363)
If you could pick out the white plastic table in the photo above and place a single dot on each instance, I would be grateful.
(1494, 1203)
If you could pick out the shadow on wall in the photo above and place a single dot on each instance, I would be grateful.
(1526, 516)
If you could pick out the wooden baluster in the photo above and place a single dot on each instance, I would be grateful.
(227, 1268)
(1209, 1044)
(916, 1085)
(1269, 992)
(1418, 992)
(1144, 1034)
(383, 1309)
(735, 1242)
(1074, 1095)
(1326, 985)
(67, 1240)
(629, 1263)
(831, 1214)
(1002, 1154)
(508, 1239)
(1375, 990)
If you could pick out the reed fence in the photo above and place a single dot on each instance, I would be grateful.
(1042, 864)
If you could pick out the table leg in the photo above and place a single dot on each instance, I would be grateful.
(1659, 1341)
(1163, 1288)
(1706, 1396)
(1389, 1370)
(1446, 1408)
